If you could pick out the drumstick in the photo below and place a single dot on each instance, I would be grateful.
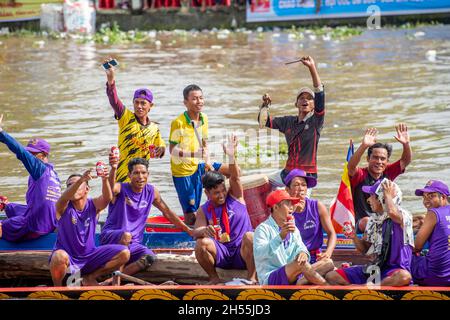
(207, 166)
(295, 61)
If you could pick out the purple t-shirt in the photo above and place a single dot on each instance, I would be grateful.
(130, 210)
(309, 225)
(400, 253)
(438, 257)
(76, 231)
(41, 197)
(238, 218)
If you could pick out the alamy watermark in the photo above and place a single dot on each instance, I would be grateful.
(373, 22)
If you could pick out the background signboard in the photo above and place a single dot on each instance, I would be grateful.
(283, 10)
(21, 10)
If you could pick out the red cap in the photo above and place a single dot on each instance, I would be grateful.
(279, 195)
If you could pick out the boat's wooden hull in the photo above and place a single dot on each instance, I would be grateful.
(241, 293)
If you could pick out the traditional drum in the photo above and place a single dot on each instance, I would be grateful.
(256, 188)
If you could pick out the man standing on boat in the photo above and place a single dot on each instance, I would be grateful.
(189, 153)
(433, 269)
(378, 155)
(311, 218)
(302, 132)
(281, 257)
(128, 212)
(222, 228)
(138, 136)
(75, 248)
(37, 217)
(388, 239)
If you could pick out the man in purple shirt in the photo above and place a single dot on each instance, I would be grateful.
(388, 239)
(311, 219)
(37, 217)
(75, 248)
(223, 230)
(128, 212)
(433, 269)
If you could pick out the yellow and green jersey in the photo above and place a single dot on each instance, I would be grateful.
(134, 141)
(182, 134)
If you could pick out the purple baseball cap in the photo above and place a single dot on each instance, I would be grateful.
(143, 94)
(37, 145)
(310, 181)
(373, 189)
(434, 186)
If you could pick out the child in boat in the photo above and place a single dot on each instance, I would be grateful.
(128, 212)
(281, 257)
(223, 230)
(388, 238)
(302, 132)
(37, 217)
(433, 269)
(75, 248)
(311, 218)
(138, 136)
(189, 155)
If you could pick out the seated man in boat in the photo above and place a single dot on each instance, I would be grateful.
(388, 239)
(378, 155)
(302, 132)
(37, 217)
(418, 220)
(75, 248)
(138, 135)
(281, 257)
(433, 269)
(223, 230)
(189, 154)
(311, 217)
(128, 212)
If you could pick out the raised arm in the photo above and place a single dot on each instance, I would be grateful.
(369, 139)
(33, 165)
(309, 62)
(159, 203)
(63, 201)
(230, 149)
(389, 193)
(115, 187)
(105, 198)
(111, 91)
(403, 137)
(327, 225)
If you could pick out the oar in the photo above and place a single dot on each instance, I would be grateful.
(131, 279)
(152, 225)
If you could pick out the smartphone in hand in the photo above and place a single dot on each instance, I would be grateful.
(107, 65)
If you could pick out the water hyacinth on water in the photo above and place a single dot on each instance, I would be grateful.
(113, 35)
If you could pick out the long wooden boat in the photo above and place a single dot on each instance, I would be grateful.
(24, 274)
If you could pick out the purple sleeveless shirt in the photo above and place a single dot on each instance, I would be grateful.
(438, 257)
(237, 216)
(41, 197)
(76, 231)
(309, 225)
(400, 254)
(130, 211)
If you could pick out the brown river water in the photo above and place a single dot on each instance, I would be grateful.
(55, 89)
